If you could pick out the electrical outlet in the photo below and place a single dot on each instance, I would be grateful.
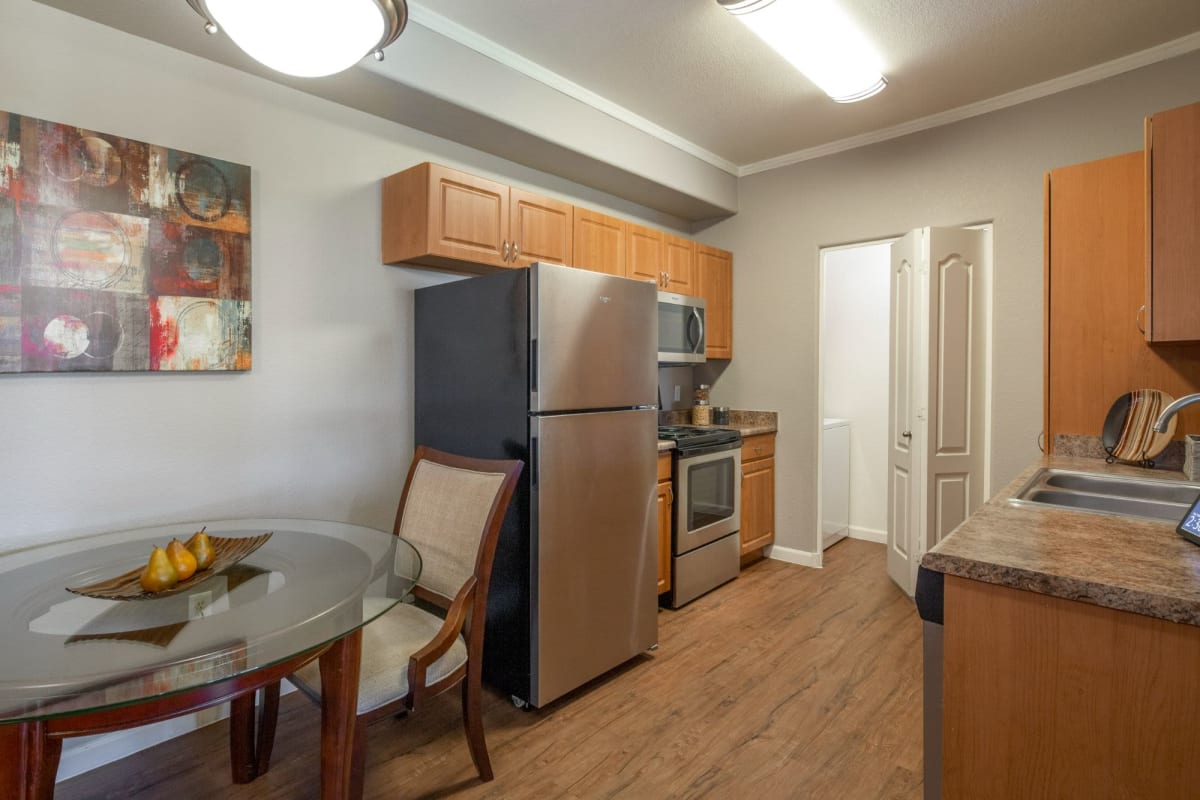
(198, 604)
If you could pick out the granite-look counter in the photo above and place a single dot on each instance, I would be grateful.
(748, 423)
(1129, 564)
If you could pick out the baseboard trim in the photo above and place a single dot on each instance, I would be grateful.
(86, 753)
(792, 556)
(868, 535)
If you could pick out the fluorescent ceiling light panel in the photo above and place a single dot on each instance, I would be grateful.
(307, 38)
(818, 39)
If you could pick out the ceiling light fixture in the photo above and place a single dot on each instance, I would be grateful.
(819, 40)
(306, 38)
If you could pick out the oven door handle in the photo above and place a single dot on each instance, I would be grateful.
(698, 342)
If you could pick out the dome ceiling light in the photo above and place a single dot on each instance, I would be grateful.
(819, 40)
(306, 38)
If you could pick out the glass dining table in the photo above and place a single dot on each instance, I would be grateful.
(75, 665)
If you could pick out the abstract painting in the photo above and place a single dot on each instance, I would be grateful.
(117, 255)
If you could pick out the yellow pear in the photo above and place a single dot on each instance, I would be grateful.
(159, 573)
(201, 548)
(183, 561)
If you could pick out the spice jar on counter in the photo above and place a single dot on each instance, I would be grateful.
(701, 411)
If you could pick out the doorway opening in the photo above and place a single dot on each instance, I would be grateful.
(853, 368)
(904, 365)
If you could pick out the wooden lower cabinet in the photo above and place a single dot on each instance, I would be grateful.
(758, 492)
(666, 499)
(1048, 697)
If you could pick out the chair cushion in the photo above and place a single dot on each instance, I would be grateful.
(387, 644)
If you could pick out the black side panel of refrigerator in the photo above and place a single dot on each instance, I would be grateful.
(471, 397)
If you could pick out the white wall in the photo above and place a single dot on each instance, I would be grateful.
(854, 364)
(989, 168)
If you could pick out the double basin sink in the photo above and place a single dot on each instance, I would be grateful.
(1147, 498)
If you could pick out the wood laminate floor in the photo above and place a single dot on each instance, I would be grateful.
(786, 683)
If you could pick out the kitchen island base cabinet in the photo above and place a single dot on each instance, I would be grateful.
(1046, 697)
(758, 494)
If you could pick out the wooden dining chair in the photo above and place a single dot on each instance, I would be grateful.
(451, 509)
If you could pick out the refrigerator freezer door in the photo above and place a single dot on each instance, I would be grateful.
(595, 596)
(596, 340)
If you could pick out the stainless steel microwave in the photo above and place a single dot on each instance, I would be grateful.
(680, 329)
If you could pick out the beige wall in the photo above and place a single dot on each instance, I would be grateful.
(988, 168)
(322, 425)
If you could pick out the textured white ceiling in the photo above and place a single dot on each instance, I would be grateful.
(693, 69)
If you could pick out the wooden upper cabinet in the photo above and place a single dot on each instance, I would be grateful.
(645, 254)
(1095, 256)
(599, 243)
(1173, 225)
(542, 229)
(714, 271)
(441, 217)
(681, 264)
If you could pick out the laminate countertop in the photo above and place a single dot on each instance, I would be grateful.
(747, 423)
(1128, 564)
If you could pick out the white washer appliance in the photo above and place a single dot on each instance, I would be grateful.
(835, 481)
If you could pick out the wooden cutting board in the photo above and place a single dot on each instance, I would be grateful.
(1129, 433)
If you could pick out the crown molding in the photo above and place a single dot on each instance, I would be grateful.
(1108, 69)
(468, 38)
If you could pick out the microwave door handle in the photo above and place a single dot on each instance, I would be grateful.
(700, 332)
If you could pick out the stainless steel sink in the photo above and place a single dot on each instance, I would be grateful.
(1147, 498)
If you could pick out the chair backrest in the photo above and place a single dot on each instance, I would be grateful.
(451, 510)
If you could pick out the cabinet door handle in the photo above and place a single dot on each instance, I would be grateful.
(1138, 319)
(506, 249)
(516, 250)
(907, 434)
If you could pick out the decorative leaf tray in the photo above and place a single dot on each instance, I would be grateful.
(227, 551)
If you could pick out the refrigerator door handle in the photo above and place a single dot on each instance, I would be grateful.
(699, 330)
(533, 365)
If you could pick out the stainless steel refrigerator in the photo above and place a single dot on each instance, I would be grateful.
(557, 367)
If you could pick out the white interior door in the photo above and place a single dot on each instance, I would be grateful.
(938, 378)
(901, 522)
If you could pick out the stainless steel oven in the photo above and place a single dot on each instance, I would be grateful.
(707, 514)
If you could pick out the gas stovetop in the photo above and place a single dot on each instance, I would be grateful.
(689, 436)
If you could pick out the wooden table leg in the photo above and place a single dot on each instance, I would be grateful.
(242, 762)
(339, 708)
(28, 761)
(267, 718)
